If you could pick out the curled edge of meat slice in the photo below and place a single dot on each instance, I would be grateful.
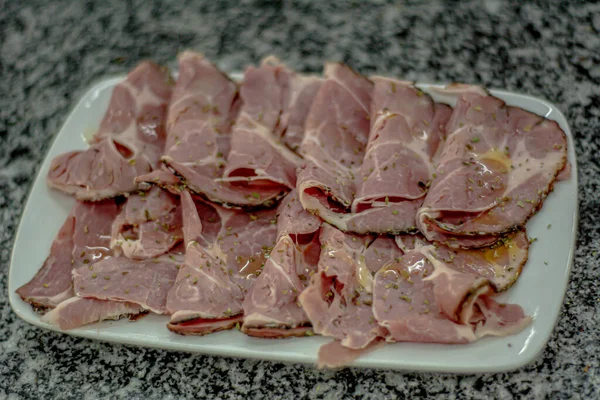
(76, 312)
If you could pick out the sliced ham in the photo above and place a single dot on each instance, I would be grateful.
(420, 298)
(76, 312)
(129, 142)
(380, 187)
(295, 221)
(407, 127)
(148, 225)
(501, 264)
(82, 241)
(204, 108)
(272, 301)
(334, 355)
(337, 130)
(495, 170)
(272, 97)
(271, 306)
(225, 251)
(143, 282)
(338, 299)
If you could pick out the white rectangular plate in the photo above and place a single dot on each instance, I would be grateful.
(539, 291)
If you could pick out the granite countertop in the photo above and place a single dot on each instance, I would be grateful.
(52, 51)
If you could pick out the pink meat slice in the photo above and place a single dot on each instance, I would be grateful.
(501, 264)
(407, 127)
(83, 240)
(421, 299)
(225, 251)
(376, 188)
(76, 312)
(338, 299)
(295, 221)
(272, 97)
(148, 225)
(334, 355)
(272, 301)
(271, 306)
(143, 282)
(129, 142)
(337, 130)
(495, 170)
(201, 115)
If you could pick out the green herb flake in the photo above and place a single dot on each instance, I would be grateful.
(475, 139)
(406, 298)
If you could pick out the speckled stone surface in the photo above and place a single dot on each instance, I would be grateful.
(52, 51)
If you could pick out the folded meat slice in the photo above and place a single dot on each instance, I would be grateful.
(76, 312)
(203, 109)
(128, 143)
(82, 241)
(148, 225)
(501, 264)
(225, 251)
(271, 307)
(338, 299)
(272, 97)
(143, 282)
(337, 130)
(380, 187)
(407, 127)
(419, 298)
(495, 170)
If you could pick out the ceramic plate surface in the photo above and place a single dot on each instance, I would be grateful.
(540, 289)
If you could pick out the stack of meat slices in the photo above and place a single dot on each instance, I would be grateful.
(292, 205)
